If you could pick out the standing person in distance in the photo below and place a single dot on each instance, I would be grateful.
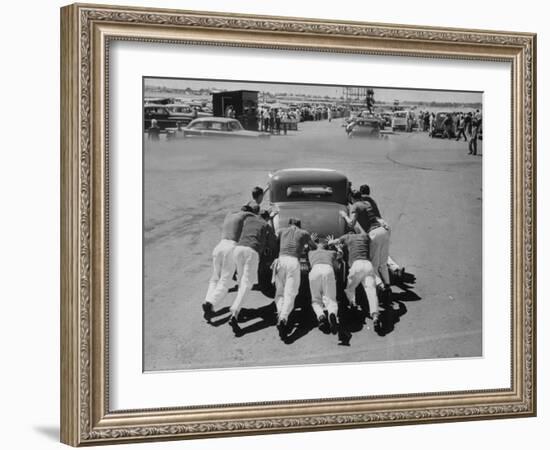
(476, 124)
(461, 128)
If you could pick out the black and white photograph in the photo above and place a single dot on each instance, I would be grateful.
(298, 224)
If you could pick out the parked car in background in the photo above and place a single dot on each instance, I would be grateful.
(438, 129)
(170, 115)
(364, 126)
(219, 127)
(184, 114)
(160, 114)
(400, 120)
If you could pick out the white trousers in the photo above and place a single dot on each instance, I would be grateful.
(361, 272)
(392, 265)
(223, 268)
(322, 284)
(247, 261)
(287, 285)
(379, 253)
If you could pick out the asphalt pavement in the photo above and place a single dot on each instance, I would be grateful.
(428, 190)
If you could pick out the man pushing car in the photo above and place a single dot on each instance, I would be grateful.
(292, 240)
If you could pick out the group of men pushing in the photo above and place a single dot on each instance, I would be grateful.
(248, 232)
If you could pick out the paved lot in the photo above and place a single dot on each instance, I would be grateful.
(429, 190)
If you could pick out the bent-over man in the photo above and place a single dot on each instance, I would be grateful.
(360, 272)
(322, 285)
(361, 212)
(223, 262)
(251, 245)
(292, 241)
(364, 189)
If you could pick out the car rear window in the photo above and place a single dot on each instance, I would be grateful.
(308, 191)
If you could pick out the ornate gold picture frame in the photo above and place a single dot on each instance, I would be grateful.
(86, 34)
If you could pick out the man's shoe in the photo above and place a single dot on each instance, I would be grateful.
(234, 324)
(323, 323)
(208, 311)
(333, 323)
(376, 322)
(344, 336)
(282, 327)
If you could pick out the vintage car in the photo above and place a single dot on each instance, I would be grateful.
(170, 115)
(401, 120)
(160, 114)
(316, 197)
(438, 128)
(184, 114)
(364, 126)
(219, 127)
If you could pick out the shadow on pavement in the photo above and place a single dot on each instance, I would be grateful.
(220, 312)
(393, 307)
(302, 319)
(267, 316)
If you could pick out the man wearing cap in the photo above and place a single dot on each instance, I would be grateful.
(322, 285)
(360, 271)
(251, 244)
(223, 262)
(292, 241)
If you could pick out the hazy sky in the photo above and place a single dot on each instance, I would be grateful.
(380, 93)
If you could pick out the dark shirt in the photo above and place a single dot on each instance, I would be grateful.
(365, 215)
(370, 200)
(357, 245)
(322, 256)
(255, 233)
(233, 225)
(292, 241)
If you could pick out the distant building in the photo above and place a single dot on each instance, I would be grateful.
(244, 103)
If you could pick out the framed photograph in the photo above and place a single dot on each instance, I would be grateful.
(275, 224)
